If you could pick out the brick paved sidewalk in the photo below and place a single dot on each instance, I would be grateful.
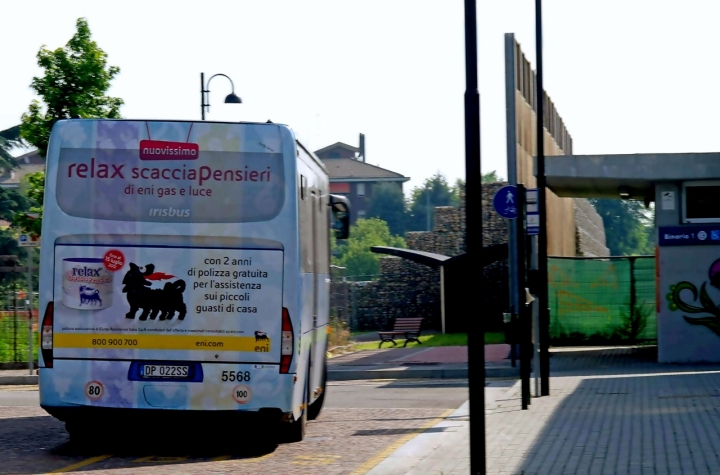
(636, 417)
(419, 355)
(418, 362)
(17, 376)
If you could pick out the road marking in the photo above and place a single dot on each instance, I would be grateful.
(19, 387)
(315, 459)
(81, 464)
(385, 453)
(256, 459)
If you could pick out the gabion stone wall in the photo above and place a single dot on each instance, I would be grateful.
(589, 229)
(408, 289)
(404, 289)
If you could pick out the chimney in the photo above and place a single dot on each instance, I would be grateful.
(362, 147)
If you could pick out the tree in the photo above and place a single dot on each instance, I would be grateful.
(11, 202)
(490, 177)
(388, 204)
(355, 255)
(435, 191)
(10, 139)
(74, 84)
(628, 226)
(457, 191)
(34, 186)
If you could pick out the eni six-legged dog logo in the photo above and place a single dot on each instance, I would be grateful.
(162, 303)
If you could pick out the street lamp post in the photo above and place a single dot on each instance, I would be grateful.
(205, 94)
(473, 240)
(544, 309)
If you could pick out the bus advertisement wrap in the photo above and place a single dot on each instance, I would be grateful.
(165, 303)
(185, 268)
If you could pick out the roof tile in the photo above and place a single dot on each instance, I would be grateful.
(350, 168)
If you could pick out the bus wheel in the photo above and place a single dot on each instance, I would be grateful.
(316, 407)
(80, 433)
(294, 431)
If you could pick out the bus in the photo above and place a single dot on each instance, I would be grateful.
(185, 274)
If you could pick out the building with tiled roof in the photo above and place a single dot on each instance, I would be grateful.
(351, 176)
(27, 163)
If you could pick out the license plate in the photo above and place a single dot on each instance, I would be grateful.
(164, 371)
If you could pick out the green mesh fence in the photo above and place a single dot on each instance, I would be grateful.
(599, 301)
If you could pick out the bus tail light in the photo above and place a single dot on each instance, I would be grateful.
(46, 340)
(287, 343)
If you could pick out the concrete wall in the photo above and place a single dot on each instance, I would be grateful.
(560, 211)
(557, 141)
(589, 230)
(679, 340)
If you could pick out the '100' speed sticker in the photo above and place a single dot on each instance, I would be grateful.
(241, 394)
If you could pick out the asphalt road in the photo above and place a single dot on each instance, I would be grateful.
(360, 424)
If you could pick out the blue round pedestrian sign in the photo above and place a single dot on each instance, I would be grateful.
(504, 202)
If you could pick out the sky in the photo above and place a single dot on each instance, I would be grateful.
(626, 76)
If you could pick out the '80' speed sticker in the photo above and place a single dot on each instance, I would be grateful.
(94, 390)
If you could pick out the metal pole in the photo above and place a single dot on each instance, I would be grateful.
(513, 336)
(442, 297)
(15, 315)
(633, 301)
(536, 321)
(523, 321)
(511, 143)
(542, 236)
(31, 360)
(202, 95)
(427, 209)
(511, 137)
(473, 239)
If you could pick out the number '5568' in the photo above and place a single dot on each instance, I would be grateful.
(242, 376)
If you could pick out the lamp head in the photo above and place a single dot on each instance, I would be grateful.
(232, 99)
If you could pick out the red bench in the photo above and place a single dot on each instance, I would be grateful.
(408, 327)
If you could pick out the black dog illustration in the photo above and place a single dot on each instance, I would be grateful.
(163, 302)
(259, 336)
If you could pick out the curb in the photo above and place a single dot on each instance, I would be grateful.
(420, 373)
(346, 375)
(26, 379)
(22, 365)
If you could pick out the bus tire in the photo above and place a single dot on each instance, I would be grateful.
(295, 431)
(316, 407)
(79, 432)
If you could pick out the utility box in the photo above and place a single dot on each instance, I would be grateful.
(688, 271)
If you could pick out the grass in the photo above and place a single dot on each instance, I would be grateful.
(354, 334)
(452, 339)
(8, 343)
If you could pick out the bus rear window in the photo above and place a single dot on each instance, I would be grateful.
(164, 186)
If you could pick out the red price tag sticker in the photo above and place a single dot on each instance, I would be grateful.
(114, 260)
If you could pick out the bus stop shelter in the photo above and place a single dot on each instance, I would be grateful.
(685, 188)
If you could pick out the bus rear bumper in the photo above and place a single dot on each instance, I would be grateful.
(104, 415)
(73, 385)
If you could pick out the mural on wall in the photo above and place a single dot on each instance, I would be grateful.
(707, 306)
